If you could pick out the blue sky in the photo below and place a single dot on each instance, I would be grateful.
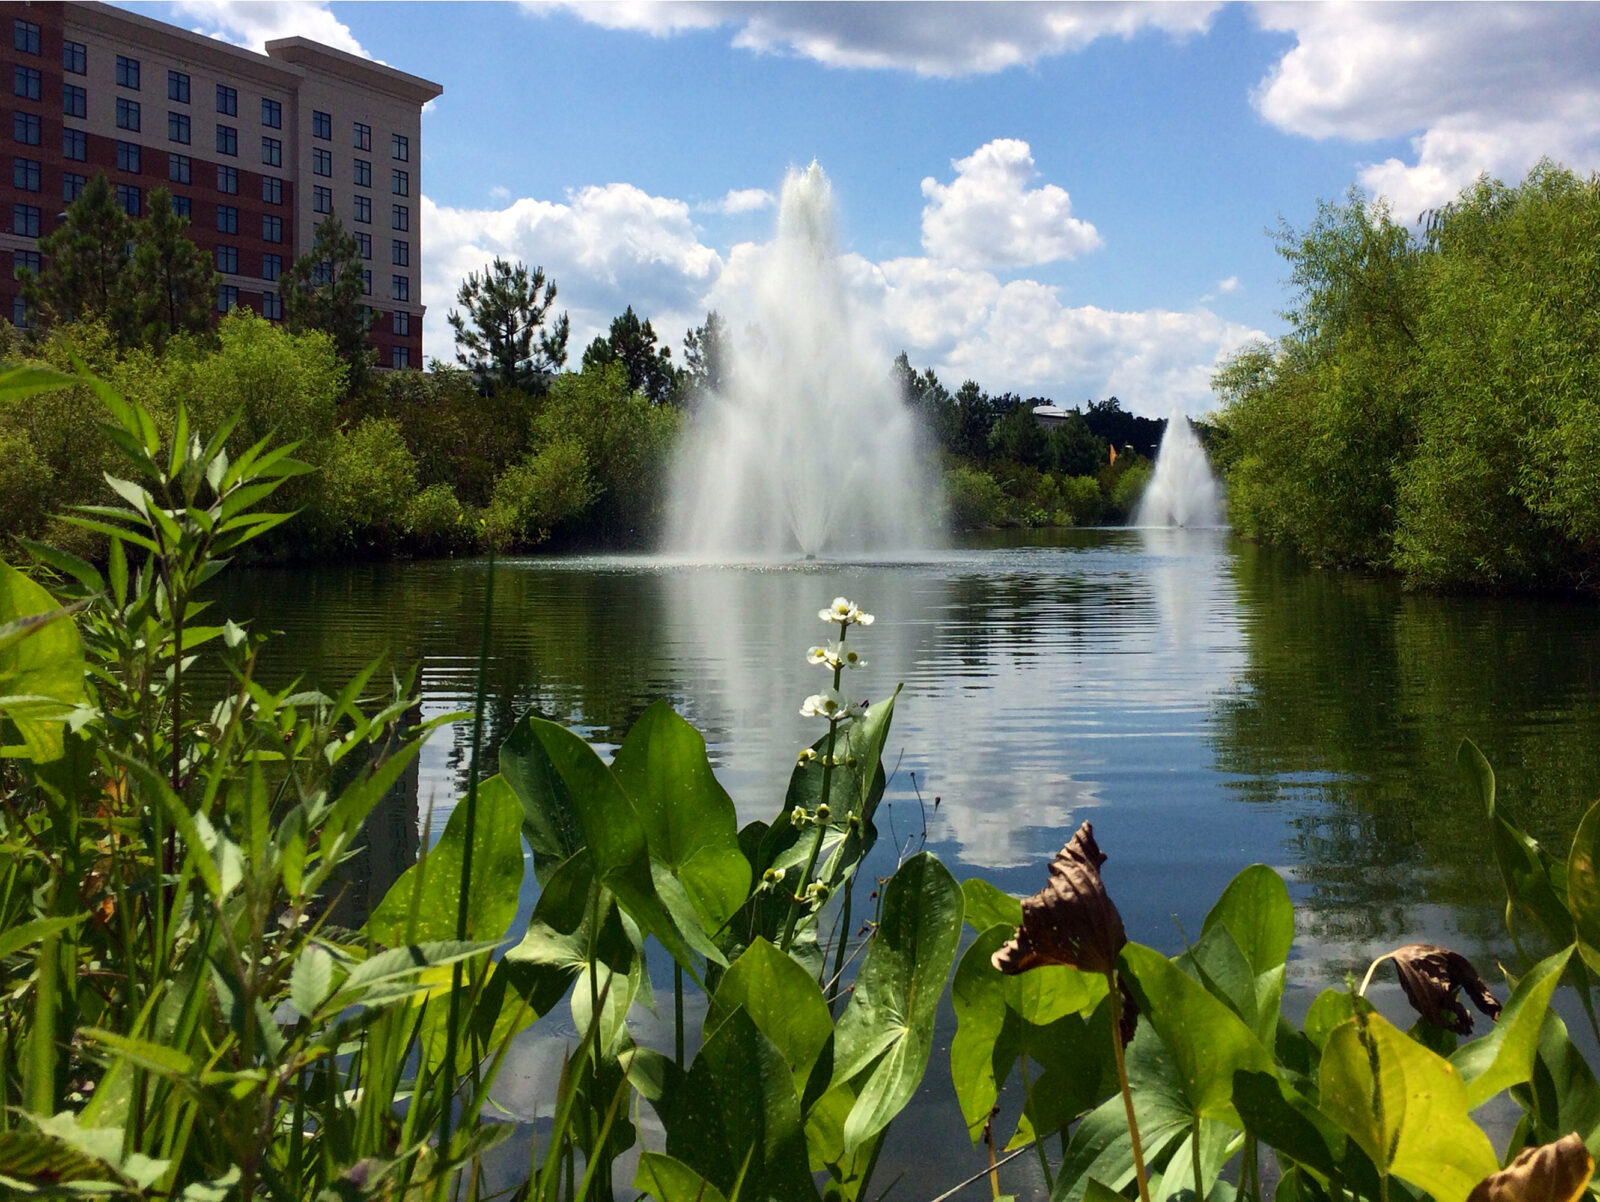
(1059, 199)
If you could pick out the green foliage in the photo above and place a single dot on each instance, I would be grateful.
(632, 344)
(974, 498)
(369, 483)
(501, 334)
(171, 283)
(549, 486)
(87, 255)
(325, 289)
(707, 359)
(1432, 411)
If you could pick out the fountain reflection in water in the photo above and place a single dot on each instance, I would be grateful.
(1183, 491)
(810, 449)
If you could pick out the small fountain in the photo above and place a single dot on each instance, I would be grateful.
(1183, 491)
(810, 449)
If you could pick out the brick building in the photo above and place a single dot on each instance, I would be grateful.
(255, 149)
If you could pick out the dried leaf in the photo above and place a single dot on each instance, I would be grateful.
(1070, 921)
(1556, 1172)
(1431, 975)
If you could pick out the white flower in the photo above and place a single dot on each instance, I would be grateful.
(845, 613)
(826, 704)
(818, 655)
(847, 657)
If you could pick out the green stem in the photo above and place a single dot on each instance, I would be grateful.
(677, 1013)
(1194, 1148)
(1038, 1140)
(1127, 1093)
(822, 827)
(844, 942)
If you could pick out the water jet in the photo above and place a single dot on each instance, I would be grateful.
(1183, 491)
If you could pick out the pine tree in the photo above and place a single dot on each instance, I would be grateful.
(171, 282)
(632, 343)
(325, 289)
(501, 337)
(85, 265)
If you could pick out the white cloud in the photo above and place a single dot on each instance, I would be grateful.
(988, 217)
(944, 40)
(499, 192)
(741, 200)
(1231, 284)
(605, 248)
(252, 24)
(1475, 87)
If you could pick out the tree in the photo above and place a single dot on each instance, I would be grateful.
(632, 343)
(501, 336)
(706, 361)
(171, 282)
(326, 290)
(86, 262)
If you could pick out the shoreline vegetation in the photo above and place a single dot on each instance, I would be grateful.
(185, 1018)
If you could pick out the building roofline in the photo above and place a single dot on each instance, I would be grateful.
(306, 53)
(103, 18)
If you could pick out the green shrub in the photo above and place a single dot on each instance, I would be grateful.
(974, 498)
(368, 484)
(547, 487)
(437, 524)
(1123, 483)
(1081, 503)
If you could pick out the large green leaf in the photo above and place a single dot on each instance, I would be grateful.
(41, 666)
(736, 1121)
(549, 821)
(1406, 1107)
(986, 906)
(1256, 911)
(1208, 1042)
(1583, 885)
(668, 1179)
(689, 820)
(19, 383)
(782, 1000)
(1506, 1055)
(548, 757)
(421, 906)
(886, 1030)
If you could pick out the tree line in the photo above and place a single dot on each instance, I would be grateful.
(1434, 408)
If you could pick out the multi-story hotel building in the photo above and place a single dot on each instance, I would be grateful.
(255, 149)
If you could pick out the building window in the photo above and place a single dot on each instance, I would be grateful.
(228, 260)
(19, 314)
(72, 186)
(271, 228)
(128, 157)
(322, 125)
(227, 100)
(178, 168)
(366, 282)
(364, 210)
(400, 218)
(271, 190)
(25, 220)
(400, 357)
(227, 298)
(129, 199)
(364, 244)
(181, 206)
(271, 152)
(178, 87)
(25, 36)
(400, 253)
(271, 113)
(227, 219)
(228, 180)
(400, 287)
(272, 306)
(401, 322)
(401, 146)
(27, 83)
(363, 136)
(25, 128)
(127, 72)
(271, 266)
(178, 128)
(26, 260)
(25, 174)
(363, 173)
(127, 114)
(75, 58)
(400, 183)
(321, 162)
(321, 199)
(75, 145)
(227, 140)
(74, 101)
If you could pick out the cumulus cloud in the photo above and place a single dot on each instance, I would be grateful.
(989, 217)
(252, 25)
(499, 192)
(605, 248)
(1476, 88)
(1231, 284)
(945, 40)
(741, 200)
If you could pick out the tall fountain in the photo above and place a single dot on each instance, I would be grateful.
(809, 450)
(1183, 491)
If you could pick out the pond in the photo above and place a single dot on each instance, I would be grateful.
(1205, 703)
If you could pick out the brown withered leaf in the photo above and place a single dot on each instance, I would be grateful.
(1431, 975)
(1557, 1172)
(1070, 921)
